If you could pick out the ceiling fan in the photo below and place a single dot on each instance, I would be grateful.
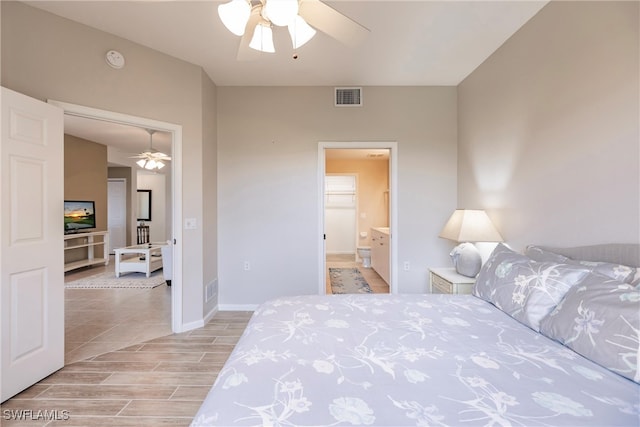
(151, 158)
(254, 20)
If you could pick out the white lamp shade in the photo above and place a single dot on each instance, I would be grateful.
(300, 32)
(234, 15)
(150, 164)
(468, 225)
(262, 39)
(281, 12)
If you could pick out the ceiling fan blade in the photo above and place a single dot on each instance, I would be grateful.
(154, 156)
(333, 23)
(245, 53)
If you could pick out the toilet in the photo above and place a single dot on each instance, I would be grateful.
(364, 252)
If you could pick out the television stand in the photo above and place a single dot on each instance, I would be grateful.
(89, 241)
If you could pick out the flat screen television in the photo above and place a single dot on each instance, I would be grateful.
(79, 215)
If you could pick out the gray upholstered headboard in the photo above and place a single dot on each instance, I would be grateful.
(619, 253)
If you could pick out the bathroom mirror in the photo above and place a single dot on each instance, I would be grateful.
(144, 205)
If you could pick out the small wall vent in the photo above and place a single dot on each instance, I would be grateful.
(348, 97)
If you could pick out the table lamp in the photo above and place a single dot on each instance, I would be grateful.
(466, 226)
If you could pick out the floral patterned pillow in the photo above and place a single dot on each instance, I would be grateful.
(501, 259)
(619, 272)
(600, 319)
(525, 289)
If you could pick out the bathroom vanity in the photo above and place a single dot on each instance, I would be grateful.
(380, 251)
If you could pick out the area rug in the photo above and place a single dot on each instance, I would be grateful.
(348, 281)
(108, 279)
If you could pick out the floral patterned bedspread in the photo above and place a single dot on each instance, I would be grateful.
(388, 360)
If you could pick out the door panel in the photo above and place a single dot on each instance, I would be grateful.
(31, 245)
(117, 214)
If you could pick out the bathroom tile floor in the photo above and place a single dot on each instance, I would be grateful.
(377, 284)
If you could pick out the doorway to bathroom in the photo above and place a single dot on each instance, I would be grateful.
(358, 202)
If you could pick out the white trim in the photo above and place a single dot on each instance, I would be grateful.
(192, 325)
(210, 315)
(238, 307)
(392, 146)
(176, 191)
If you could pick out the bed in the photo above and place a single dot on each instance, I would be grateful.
(547, 339)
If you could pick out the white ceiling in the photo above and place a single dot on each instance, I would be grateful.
(415, 42)
(410, 43)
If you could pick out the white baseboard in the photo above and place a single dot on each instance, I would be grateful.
(237, 307)
(210, 315)
(192, 325)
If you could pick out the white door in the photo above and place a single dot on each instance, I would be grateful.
(117, 213)
(31, 244)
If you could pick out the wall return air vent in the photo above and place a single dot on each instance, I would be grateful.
(348, 97)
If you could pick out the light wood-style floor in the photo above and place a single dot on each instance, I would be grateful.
(161, 382)
(123, 365)
(102, 320)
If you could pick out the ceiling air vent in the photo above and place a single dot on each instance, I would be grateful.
(348, 97)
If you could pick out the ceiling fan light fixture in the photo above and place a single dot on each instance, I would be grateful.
(262, 39)
(234, 15)
(300, 32)
(281, 12)
(151, 159)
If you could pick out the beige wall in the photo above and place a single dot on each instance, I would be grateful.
(373, 196)
(210, 191)
(85, 178)
(157, 183)
(48, 57)
(268, 196)
(548, 128)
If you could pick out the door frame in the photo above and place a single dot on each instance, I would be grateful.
(176, 187)
(392, 146)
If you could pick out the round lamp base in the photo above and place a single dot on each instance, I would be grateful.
(466, 259)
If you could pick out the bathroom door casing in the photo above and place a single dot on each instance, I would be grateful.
(323, 147)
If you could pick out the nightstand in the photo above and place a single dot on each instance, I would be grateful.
(447, 281)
